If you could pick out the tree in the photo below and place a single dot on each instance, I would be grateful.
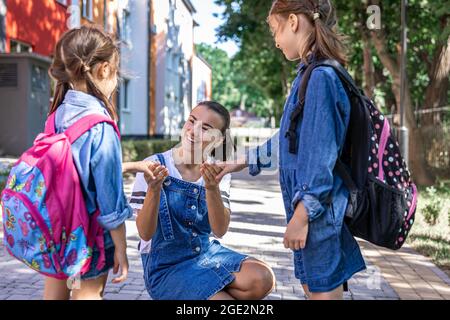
(231, 86)
(377, 51)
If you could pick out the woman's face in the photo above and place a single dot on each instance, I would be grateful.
(202, 132)
(290, 34)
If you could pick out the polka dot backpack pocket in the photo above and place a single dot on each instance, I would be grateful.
(383, 198)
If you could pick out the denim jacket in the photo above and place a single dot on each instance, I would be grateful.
(308, 176)
(98, 157)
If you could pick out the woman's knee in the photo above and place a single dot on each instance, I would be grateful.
(263, 280)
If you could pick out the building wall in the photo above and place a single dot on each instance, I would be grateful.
(39, 23)
(134, 120)
(173, 38)
(201, 81)
(2, 25)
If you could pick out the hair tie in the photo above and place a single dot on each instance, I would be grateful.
(86, 68)
(316, 16)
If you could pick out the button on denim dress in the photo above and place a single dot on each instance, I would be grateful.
(183, 263)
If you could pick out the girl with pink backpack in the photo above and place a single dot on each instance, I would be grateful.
(64, 208)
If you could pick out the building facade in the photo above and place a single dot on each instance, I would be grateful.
(162, 77)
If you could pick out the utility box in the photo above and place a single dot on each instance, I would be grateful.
(24, 100)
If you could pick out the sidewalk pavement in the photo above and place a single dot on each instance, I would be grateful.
(257, 228)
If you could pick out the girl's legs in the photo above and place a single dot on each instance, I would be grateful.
(91, 289)
(336, 294)
(55, 289)
(222, 295)
(254, 281)
(306, 290)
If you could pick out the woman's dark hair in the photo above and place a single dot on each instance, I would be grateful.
(325, 42)
(227, 149)
(76, 54)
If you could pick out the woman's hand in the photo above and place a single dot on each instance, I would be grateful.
(120, 264)
(138, 166)
(297, 229)
(158, 174)
(230, 167)
(209, 173)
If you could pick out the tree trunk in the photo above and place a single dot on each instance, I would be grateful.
(369, 69)
(437, 91)
(417, 161)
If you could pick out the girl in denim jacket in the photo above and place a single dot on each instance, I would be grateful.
(85, 68)
(315, 199)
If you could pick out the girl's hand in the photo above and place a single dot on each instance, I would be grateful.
(139, 166)
(158, 174)
(209, 173)
(230, 167)
(297, 229)
(120, 264)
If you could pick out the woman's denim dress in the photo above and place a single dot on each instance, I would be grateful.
(183, 263)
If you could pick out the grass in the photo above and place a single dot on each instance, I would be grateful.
(433, 240)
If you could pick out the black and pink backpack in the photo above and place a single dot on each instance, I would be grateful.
(383, 198)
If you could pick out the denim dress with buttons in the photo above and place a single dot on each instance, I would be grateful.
(331, 255)
(183, 263)
(98, 158)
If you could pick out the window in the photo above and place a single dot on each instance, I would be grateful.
(126, 28)
(63, 2)
(124, 96)
(87, 9)
(20, 47)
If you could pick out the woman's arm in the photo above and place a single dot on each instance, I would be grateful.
(219, 216)
(147, 218)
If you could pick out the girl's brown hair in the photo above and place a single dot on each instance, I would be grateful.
(76, 54)
(324, 43)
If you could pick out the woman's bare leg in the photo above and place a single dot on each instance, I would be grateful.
(336, 294)
(254, 281)
(222, 295)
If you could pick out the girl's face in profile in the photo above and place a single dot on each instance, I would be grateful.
(291, 34)
(202, 132)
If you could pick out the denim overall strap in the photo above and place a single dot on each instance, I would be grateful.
(164, 215)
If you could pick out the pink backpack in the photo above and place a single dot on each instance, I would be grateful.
(45, 220)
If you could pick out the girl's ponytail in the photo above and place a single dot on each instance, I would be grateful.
(76, 55)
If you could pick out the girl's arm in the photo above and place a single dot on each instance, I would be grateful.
(147, 219)
(138, 166)
(106, 170)
(261, 157)
(119, 237)
(219, 216)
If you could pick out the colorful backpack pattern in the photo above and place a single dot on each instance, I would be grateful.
(46, 224)
(383, 198)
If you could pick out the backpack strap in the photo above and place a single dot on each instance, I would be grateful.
(83, 125)
(342, 73)
(80, 127)
(50, 124)
(291, 134)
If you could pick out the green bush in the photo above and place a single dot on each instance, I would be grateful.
(136, 150)
(433, 208)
